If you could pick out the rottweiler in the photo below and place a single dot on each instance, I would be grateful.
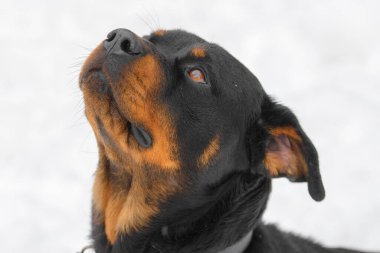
(188, 144)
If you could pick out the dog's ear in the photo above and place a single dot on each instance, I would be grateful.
(288, 150)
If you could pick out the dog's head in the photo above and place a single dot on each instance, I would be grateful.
(175, 116)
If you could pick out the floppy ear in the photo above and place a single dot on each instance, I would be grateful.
(288, 150)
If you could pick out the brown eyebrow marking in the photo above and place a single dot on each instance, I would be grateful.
(209, 152)
(160, 32)
(198, 52)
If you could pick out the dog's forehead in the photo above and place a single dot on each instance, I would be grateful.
(179, 42)
(174, 40)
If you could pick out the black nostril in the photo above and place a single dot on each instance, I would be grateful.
(129, 47)
(111, 36)
(123, 41)
(125, 45)
(109, 42)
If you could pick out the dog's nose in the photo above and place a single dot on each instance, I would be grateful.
(123, 41)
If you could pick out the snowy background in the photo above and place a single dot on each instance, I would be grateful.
(321, 58)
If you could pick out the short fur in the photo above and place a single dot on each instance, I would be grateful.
(186, 165)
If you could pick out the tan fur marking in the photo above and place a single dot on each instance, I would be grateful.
(293, 164)
(209, 152)
(112, 212)
(101, 190)
(130, 212)
(198, 52)
(160, 32)
(288, 131)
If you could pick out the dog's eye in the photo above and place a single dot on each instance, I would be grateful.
(197, 75)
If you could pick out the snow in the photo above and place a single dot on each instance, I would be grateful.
(320, 58)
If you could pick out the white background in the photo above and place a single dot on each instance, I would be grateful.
(320, 58)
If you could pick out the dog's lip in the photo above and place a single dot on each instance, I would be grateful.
(92, 70)
(141, 135)
(87, 73)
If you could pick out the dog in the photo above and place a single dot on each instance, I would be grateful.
(188, 144)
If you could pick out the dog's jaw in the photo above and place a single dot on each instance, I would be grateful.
(121, 103)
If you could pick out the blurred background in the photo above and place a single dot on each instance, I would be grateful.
(320, 58)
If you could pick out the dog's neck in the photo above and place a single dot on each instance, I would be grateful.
(223, 225)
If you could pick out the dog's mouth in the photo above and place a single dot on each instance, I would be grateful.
(142, 137)
(139, 133)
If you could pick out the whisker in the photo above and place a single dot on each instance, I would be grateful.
(83, 47)
(157, 19)
(149, 14)
(145, 22)
(82, 144)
